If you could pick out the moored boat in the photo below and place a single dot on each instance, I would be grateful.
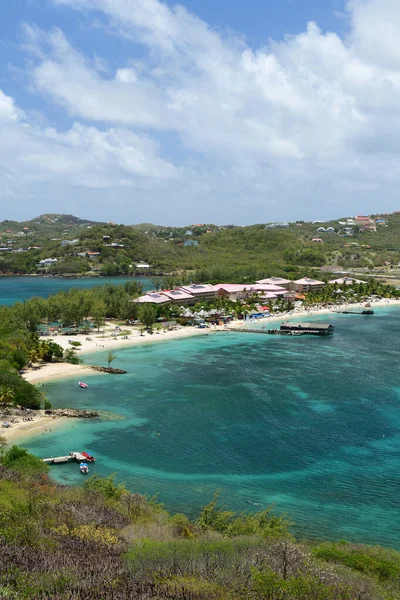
(82, 385)
(84, 468)
(88, 457)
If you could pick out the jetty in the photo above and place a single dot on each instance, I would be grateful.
(355, 312)
(321, 329)
(77, 456)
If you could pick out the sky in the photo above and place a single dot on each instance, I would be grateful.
(210, 111)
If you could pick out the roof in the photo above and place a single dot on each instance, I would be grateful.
(195, 288)
(233, 287)
(178, 295)
(261, 287)
(321, 326)
(308, 281)
(268, 296)
(152, 297)
(274, 280)
(346, 281)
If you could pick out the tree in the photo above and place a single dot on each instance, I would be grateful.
(6, 395)
(110, 357)
(99, 313)
(148, 315)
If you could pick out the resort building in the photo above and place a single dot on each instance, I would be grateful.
(234, 291)
(278, 281)
(307, 285)
(152, 298)
(203, 291)
(179, 297)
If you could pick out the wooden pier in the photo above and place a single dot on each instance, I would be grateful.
(63, 459)
(291, 329)
(355, 312)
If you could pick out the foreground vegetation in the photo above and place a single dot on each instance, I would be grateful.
(101, 541)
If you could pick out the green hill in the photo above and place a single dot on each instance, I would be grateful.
(218, 251)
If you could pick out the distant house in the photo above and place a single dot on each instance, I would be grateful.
(321, 229)
(93, 255)
(188, 232)
(318, 240)
(190, 243)
(346, 281)
(330, 230)
(64, 243)
(115, 245)
(142, 265)
(47, 262)
(283, 224)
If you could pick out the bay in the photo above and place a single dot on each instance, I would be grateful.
(20, 288)
(311, 425)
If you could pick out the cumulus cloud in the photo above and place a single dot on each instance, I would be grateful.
(307, 124)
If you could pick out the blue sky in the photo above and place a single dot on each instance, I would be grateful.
(208, 110)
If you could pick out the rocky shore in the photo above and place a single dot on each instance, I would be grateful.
(72, 413)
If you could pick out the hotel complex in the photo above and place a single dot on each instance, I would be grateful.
(266, 289)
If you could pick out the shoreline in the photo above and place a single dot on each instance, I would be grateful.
(98, 343)
(25, 429)
(58, 371)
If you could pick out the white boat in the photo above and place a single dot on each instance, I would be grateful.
(84, 468)
(82, 385)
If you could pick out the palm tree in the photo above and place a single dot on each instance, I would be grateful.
(110, 357)
(6, 395)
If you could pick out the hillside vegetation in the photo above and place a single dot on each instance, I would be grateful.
(101, 541)
(82, 247)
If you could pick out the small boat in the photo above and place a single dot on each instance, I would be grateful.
(84, 468)
(88, 457)
(82, 385)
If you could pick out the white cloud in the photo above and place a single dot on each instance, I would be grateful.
(313, 119)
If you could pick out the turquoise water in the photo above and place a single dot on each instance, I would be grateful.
(309, 424)
(18, 289)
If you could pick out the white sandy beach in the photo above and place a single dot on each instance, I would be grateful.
(103, 341)
(40, 425)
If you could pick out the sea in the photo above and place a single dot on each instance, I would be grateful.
(307, 425)
(20, 288)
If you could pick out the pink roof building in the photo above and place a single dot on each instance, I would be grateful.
(152, 298)
(201, 290)
(179, 296)
(263, 287)
(234, 291)
(306, 285)
(279, 281)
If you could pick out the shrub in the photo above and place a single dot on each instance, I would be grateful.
(19, 459)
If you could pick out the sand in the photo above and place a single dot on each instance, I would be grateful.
(103, 341)
(24, 429)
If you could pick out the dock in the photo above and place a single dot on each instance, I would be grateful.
(63, 459)
(355, 312)
(291, 329)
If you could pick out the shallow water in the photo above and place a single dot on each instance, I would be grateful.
(20, 288)
(309, 424)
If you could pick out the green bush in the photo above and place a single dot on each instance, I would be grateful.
(19, 459)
